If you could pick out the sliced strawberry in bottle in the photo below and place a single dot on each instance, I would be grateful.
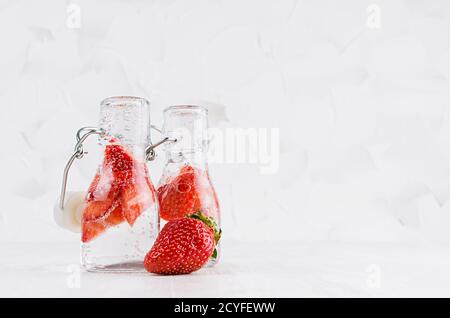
(100, 198)
(137, 194)
(90, 230)
(120, 192)
(189, 192)
(120, 162)
(103, 206)
(93, 228)
(180, 196)
(134, 201)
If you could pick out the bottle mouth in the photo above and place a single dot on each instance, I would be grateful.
(126, 119)
(188, 124)
(188, 108)
(124, 101)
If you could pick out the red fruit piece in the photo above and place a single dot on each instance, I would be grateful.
(93, 228)
(103, 206)
(120, 162)
(183, 246)
(102, 194)
(189, 192)
(180, 196)
(137, 196)
(122, 191)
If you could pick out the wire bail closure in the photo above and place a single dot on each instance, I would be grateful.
(150, 153)
(81, 136)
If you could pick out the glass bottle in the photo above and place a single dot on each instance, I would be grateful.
(120, 218)
(185, 186)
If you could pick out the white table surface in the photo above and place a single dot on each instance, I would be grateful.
(246, 270)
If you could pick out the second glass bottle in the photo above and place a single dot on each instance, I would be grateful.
(185, 186)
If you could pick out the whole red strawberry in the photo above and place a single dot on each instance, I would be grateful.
(183, 246)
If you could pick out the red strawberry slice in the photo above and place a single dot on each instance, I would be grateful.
(183, 246)
(190, 191)
(101, 196)
(120, 162)
(103, 206)
(180, 196)
(133, 202)
(93, 228)
(121, 191)
(137, 196)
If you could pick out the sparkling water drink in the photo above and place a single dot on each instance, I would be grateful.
(120, 219)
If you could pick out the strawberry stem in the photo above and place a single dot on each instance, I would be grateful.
(210, 222)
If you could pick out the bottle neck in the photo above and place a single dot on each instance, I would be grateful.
(126, 120)
(136, 152)
(194, 158)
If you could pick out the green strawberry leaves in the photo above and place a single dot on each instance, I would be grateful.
(210, 222)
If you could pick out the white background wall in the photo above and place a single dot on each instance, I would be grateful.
(362, 108)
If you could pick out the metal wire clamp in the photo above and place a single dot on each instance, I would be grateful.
(150, 153)
(82, 135)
